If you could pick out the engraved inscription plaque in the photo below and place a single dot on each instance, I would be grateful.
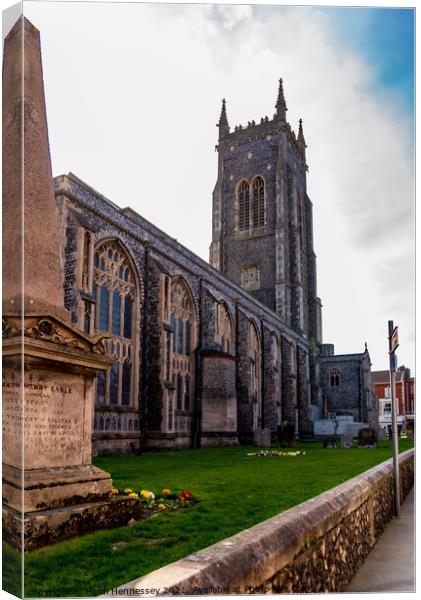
(53, 419)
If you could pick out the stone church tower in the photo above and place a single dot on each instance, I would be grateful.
(262, 218)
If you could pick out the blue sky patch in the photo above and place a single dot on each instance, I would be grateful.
(385, 38)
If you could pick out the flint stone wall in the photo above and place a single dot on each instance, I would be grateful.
(316, 546)
(153, 253)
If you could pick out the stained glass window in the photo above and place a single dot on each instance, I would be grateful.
(188, 338)
(179, 391)
(125, 388)
(173, 324)
(116, 314)
(114, 377)
(104, 299)
(101, 383)
(178, 358)
(187, 393)
(128, 317)
(180, 337)
(114, 294)
(224, 330)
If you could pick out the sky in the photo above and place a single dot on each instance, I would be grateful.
(134, 92)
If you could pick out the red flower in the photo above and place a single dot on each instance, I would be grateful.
(186, 495)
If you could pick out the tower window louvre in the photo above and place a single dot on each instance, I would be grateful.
(244, 206)
(258, 202)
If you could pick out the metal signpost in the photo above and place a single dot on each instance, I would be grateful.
(393, 344)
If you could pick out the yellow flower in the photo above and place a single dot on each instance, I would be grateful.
(133, 494)
(166, 491)
(114, 491)
(161, 506)
(128, 491)
(147, 494)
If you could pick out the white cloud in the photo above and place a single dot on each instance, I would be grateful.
(133, 95)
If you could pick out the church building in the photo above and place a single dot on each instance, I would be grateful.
(206, 355)
(209, 354)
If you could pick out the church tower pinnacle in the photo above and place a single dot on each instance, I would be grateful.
(280, 105)
(301, 140)
(223, 125)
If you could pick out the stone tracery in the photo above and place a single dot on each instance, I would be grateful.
(179, 342)
(115, 294)
(224, 329)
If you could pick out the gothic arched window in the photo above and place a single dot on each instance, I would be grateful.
(258, 202)
(114, 291)
(244, 206)
(254, 352)
(178, 344)
(224, 329)
(251, 204)
(335, 378)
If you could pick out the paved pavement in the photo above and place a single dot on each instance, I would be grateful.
(390, 566)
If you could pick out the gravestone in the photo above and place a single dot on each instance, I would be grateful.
(50, 487)
(381, 434)
(258, 437)
(263, 437)
(346, 440)
(266, 437)
(367, 438)
(286, 434)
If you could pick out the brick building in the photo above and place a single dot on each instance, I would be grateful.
(404, 393)
(208, 354)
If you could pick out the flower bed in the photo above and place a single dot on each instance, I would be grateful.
(276, 453)
(165, 500)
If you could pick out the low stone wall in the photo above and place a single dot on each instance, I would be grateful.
(316, 546)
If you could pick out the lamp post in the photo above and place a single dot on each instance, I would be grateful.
(393, 344)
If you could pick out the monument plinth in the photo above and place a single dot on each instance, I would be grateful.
(48, 410)
(51, 489)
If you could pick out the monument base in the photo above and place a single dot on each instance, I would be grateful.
(45, 527)
(54, 488)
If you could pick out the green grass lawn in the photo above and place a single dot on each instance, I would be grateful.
(235, 491)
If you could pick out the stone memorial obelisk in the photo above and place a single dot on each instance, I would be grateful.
(50, 487)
